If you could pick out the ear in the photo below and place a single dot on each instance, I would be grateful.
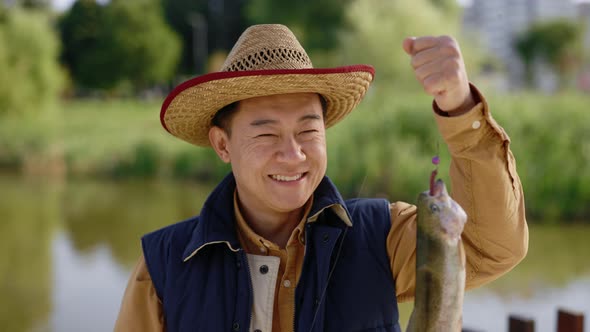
(219, 141)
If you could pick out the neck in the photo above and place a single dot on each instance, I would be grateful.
(275, 227)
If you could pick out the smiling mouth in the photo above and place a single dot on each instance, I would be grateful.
(287, 178)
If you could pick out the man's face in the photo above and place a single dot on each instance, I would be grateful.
(277, 150)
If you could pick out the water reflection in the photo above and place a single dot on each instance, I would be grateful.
(28, 218)
(117, 214)
(87, 288)
(486, 308)
(65, 246)
(68, 249)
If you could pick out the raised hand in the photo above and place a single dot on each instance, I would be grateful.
(439, 67)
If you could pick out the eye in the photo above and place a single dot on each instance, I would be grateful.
(310, 131)
(265, 135)
(434, 208)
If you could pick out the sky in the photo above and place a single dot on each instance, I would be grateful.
(61, 5)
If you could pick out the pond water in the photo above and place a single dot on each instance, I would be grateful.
(67, 250)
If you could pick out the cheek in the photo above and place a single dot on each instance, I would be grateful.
(249, 153)
(316, 151)
(318, 146)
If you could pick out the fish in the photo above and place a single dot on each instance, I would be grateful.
(440, 262)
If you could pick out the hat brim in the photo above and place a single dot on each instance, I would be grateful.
(188, 110)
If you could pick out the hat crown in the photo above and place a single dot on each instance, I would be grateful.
(264, 47)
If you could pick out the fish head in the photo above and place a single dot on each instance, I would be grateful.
(439, 215)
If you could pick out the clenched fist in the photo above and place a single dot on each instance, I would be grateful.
(439, 67)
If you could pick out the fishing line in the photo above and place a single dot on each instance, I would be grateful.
(317, 310)
(435, 162)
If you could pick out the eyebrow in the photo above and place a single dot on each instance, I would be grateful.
(263, 122)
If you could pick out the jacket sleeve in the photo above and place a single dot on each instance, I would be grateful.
(485, 183)
(141, 309)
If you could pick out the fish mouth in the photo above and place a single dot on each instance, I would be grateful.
(437, 188)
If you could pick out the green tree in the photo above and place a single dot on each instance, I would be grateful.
(557, 42)
(31, 78)
(83, 34)
(107, 46)
(377, 29)
(316, 23)
(35, 4)
(205, 27)
(145, 50)
(29, 4)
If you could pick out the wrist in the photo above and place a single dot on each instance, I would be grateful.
(467, 105)
(469, 102)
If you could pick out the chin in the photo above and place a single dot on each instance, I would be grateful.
(292, 204)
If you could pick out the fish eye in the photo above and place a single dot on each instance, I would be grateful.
(434, 208)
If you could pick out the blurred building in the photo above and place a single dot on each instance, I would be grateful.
(584, 14)
(496, 24)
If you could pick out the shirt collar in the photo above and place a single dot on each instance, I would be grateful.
(251, 240)
(217, 221)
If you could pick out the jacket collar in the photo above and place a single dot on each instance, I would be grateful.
(217, 223)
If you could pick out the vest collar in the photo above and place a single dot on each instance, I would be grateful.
(217, 223)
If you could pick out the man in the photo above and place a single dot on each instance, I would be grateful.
(275, 247)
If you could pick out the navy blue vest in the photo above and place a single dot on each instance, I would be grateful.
(201, 274)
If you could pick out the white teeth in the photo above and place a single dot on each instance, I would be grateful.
(287, 178)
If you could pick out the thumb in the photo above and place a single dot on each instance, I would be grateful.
(408, 45)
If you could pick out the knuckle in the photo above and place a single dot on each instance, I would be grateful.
(449, 45)
(452, 74)
(453, 64)
(451, 50)
(447, 40)
(419, 77)
(419, 70)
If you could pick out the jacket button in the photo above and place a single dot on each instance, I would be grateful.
(326, 238)
(236, 327)
(264, 269)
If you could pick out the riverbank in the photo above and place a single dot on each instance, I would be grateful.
(383, 149)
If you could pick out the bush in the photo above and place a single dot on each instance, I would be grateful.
(384, 148)
(551, 143)
(30, 77)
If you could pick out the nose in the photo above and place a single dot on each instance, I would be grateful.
(290, 151)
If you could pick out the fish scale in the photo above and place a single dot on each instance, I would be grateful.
(440, 263)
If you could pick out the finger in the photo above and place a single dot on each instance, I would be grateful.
(423, 43)
(407, 44)
(426, 56)
(428, 69)
(450, 68)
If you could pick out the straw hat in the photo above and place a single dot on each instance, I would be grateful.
(266, 60)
